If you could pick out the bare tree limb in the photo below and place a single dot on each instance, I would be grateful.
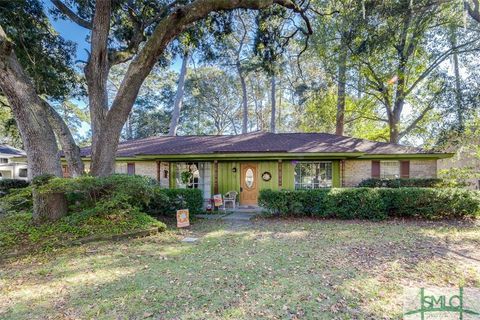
(438, 61)
(415, 122)
(72, 15)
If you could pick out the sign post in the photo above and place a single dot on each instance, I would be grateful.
(183, 218)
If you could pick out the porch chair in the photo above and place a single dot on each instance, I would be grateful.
(230, 196)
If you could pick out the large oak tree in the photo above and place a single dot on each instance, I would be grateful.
(121, 31)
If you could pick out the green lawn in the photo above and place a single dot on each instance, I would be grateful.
(272, 269)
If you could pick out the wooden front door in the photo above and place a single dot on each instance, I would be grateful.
(249, 184)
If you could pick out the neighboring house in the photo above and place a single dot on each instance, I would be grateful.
(9, 167)
(251, 162)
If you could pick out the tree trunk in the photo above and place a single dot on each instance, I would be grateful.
(458, 88)
(38, 137)
(53, 203)
(177, 106)
(96, 74)
(279, 107)
(244, 100)
(341, 83)
(70, 149)
(394, 121)
(274, 106)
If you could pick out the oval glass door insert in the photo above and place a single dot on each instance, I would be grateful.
(249, 178)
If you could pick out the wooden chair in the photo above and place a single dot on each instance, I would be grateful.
(230, 196)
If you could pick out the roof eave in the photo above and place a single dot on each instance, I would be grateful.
(244, 156)
(407, 156)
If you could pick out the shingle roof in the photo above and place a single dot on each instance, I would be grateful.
(6, 149)
(257, 142)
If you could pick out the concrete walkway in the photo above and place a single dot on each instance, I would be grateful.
(239, 216)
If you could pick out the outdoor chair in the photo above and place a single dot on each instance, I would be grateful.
(230, 196)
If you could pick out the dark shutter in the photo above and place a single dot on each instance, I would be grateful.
(405, 169)
(131, 168)
(376, 169)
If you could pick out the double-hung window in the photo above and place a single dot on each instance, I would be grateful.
(313, 175)
(389, 169)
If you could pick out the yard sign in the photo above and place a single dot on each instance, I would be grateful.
(217, 200)
(182, 218)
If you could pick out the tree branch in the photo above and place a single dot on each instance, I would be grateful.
(72, 15)
(415, 122)
(438, 61)
(70, 149)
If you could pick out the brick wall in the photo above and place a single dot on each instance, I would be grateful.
(358, 170)
(144, 168)
(423, 168)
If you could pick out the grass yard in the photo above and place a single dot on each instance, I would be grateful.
(272, 269)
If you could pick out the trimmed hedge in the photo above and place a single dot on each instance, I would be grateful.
(168, 201)
(373, 203)
(409, 183)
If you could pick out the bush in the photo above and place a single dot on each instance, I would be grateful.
(108, 195)
(17, 200)
(405, 183)
(7, 184)
(373, 203)
(168, 201)
(103, 195)
(431, 203)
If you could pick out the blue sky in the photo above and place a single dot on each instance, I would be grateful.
(71, 31)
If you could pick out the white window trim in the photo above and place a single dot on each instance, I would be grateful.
(328, 182)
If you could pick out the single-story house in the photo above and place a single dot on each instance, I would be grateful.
(248, 163)
(10, 167)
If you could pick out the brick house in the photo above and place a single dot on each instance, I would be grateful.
(254, 161)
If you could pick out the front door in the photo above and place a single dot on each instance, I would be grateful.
(249, 184)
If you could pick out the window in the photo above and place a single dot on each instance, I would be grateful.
(131, 168)
(188, 175)
(23, 173)
(3, 160)
(389, 169)
(313, 175)
(249, 179)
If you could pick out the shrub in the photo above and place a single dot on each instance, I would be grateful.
(373, 203)
(7, 184)
(18, 200)
(432, 203)
(168, 201)
(108, 195)
(405, 183)
(103, 194)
